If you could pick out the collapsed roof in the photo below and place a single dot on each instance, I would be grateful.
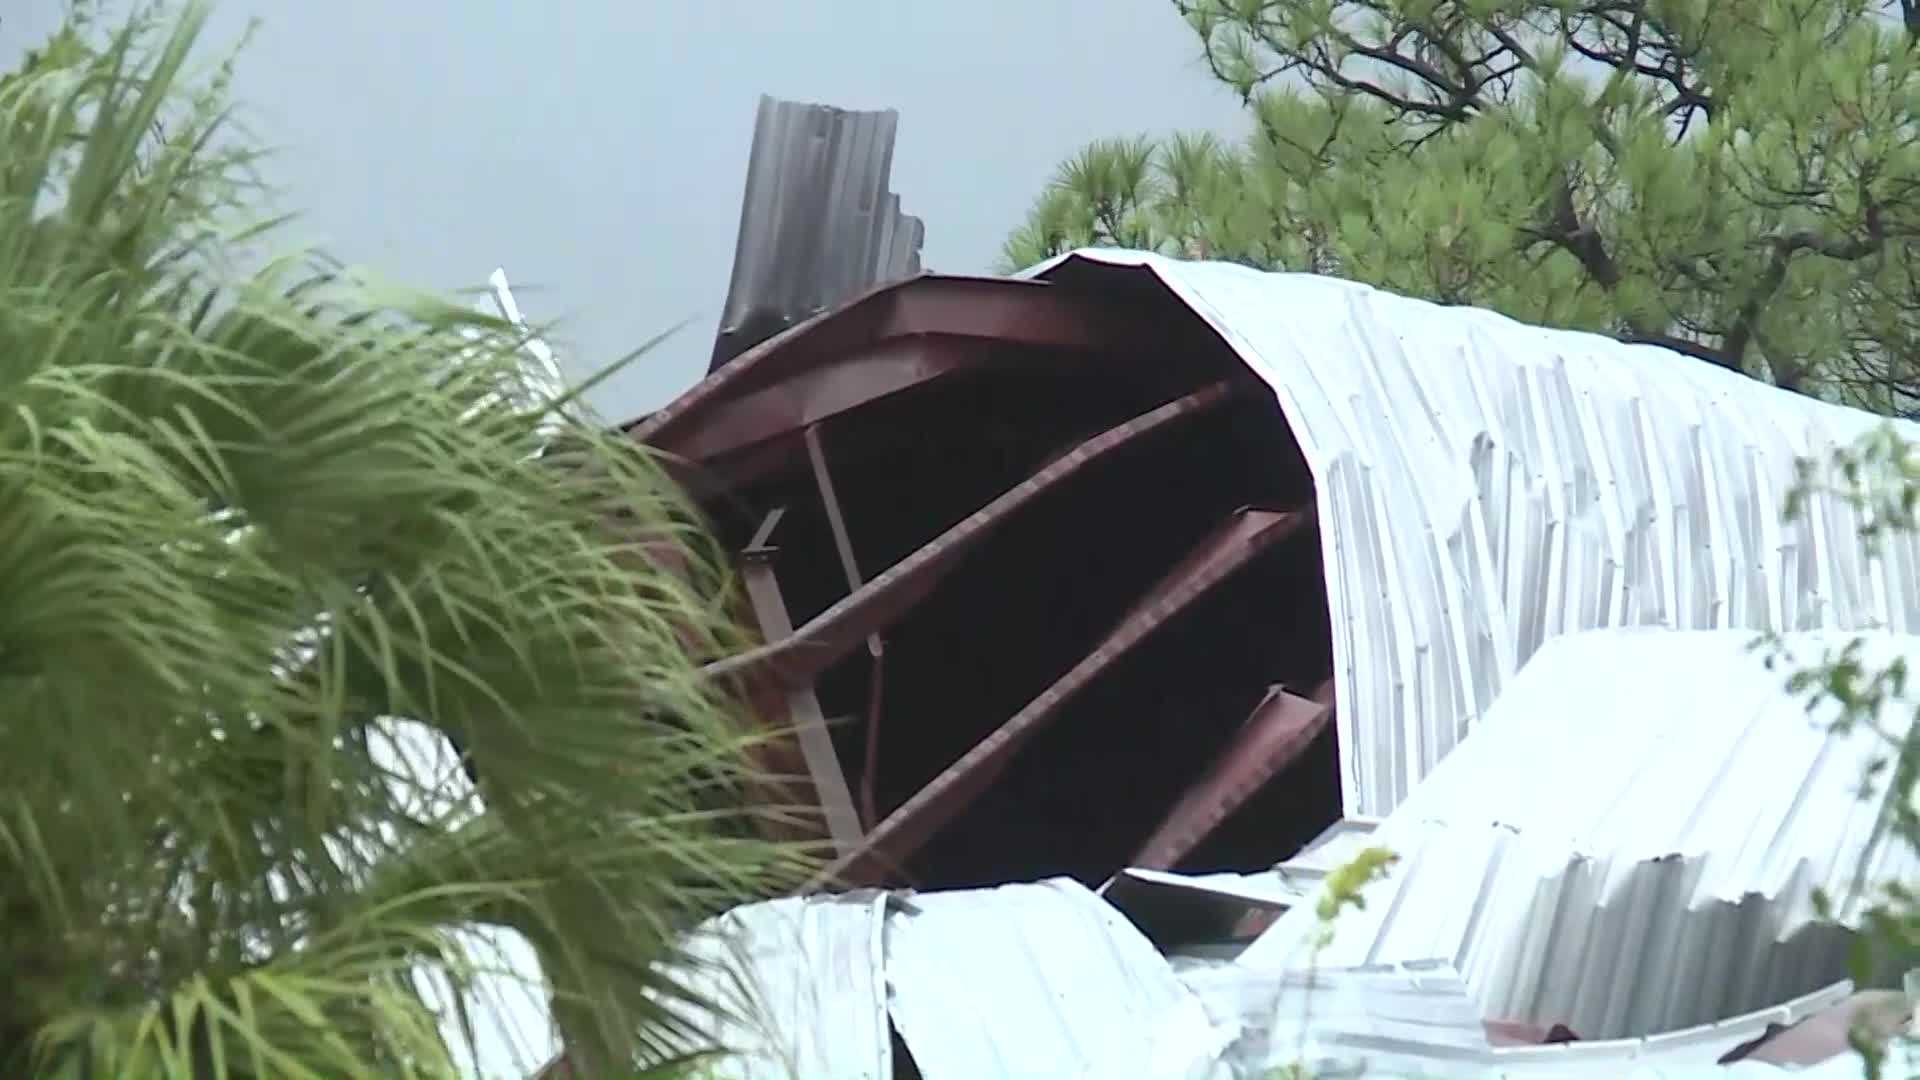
(1082, 564)
(1047, 978)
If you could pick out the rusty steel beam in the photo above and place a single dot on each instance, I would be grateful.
(798, 659)
(833, 387)
(1003, 311)
(1228, 548)
(1273, 737)
(803, 708)
(876, 649)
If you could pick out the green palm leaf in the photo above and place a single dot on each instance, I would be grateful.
(272, 545)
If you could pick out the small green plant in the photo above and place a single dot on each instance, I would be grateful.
(1344, 890)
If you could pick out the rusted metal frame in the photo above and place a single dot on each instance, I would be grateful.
(848, 325)
(1226, 549)
(850, 380)
(1010, 311)
(703, 480)
(876, 648)
(803, 708)
(1274, 736)
(798, 659)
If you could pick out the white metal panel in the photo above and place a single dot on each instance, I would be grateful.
(1631, 842)
(1038, 980)
(800, 988)
(1485, 486)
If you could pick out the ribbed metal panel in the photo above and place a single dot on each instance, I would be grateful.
(1631, 841)
(1485, 486)
(817, 223)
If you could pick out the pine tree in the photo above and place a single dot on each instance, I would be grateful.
(1733, 178)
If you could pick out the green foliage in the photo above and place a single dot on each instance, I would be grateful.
(261, 530)
(1735, 176)
(1344, 891)
(1346, 886)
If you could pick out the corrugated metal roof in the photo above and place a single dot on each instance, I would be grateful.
(817, 223)
(1485, 486)
(1631, 841)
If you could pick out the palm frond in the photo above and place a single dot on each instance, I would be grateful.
(263, 528)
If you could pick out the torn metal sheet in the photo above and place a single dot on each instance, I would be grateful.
(1178, 911)
(1631, 842)
(1485, 486)
(1041, 979)
(817, 223)
(1185, 910)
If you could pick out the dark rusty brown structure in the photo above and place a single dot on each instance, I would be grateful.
(1046, 556)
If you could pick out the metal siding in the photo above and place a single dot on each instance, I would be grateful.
(1631, 842)
(1486, 486)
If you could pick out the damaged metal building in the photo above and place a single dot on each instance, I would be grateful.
(1184, 581)
(1077, 568)
(1168, 586)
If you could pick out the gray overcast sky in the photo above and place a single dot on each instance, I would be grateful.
(596, 148)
